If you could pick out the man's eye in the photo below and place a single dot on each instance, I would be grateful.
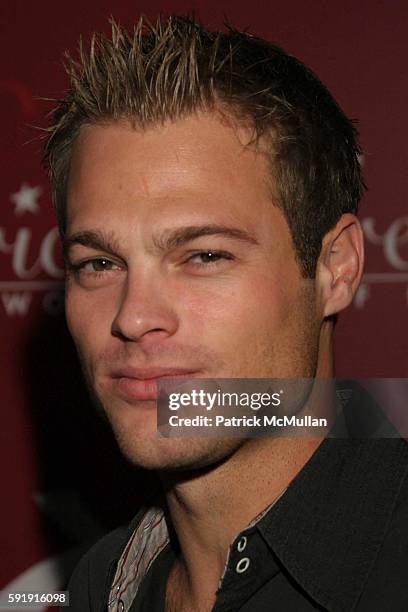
(208, 257)
(94, 266)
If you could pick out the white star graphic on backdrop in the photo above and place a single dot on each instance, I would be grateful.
(26, 199)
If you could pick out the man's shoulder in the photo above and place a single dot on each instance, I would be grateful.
(91, 580)
(386, 586)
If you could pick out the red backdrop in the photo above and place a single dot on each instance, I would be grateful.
(64, 482)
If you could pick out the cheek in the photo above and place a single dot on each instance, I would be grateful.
(260, 325)
(89, 318)
(236, 310)
(244, 303)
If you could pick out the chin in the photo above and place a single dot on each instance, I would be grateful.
(135, 429)
(175, 454)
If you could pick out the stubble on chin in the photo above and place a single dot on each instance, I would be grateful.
(149, 450)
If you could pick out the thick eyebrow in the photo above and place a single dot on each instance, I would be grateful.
(178, 237)
(94, 239)
(170, 239)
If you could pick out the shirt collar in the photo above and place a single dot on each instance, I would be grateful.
(329, 526)
(151, 536)
(148, 539)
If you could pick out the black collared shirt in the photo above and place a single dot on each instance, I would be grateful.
(337, 540)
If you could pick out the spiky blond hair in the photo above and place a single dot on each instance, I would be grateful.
(176, 67)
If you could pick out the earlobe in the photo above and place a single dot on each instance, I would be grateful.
(340, 264)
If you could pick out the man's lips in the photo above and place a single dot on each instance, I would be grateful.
(142, 383)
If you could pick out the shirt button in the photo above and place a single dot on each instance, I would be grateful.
(242, 544)
(121, 606)
(242, 565)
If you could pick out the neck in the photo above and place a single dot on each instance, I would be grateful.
(209, 509)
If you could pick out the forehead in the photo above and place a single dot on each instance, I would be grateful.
(198, 156)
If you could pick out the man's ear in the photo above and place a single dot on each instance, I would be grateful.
(340, 264)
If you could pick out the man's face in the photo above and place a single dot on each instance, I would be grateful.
(182, 266)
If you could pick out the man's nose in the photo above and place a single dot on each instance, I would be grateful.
(145, 311)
